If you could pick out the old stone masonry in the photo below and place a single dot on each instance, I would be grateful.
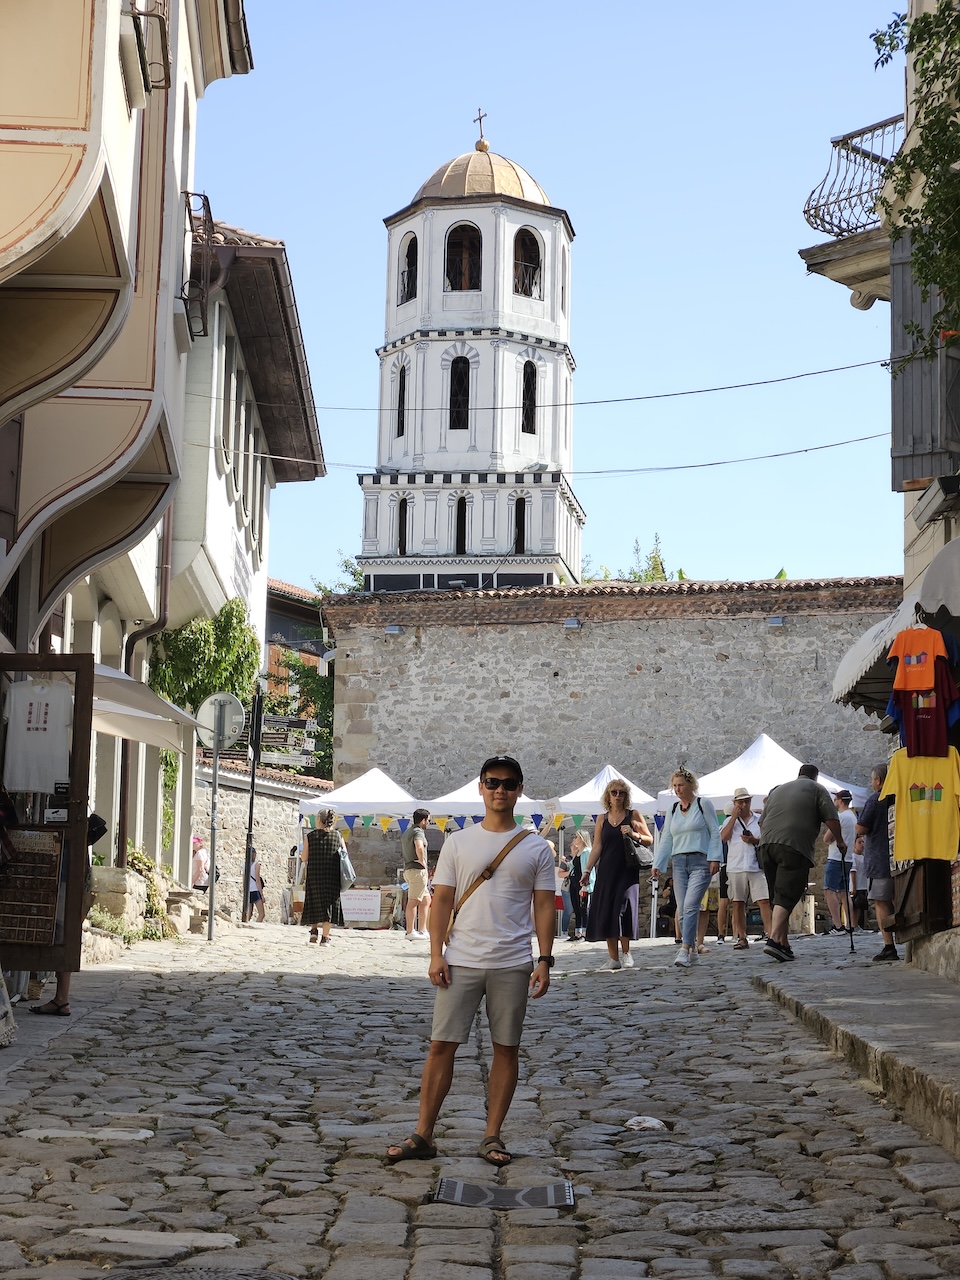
(226, 1106)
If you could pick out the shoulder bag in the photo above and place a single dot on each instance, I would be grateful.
(635, 851)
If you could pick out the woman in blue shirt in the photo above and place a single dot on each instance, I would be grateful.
(691, 837)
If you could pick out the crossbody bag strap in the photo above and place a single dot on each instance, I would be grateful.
(487, 872)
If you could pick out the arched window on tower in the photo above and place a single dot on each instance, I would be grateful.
(459, 394)
(401, 399)
(526, 264)
(520, 526)
(408, 271)
(528, 415)
(462, 267)
(402, 527)
(461, 532)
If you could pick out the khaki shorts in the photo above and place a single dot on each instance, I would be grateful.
(455, 1007)
(416, 884)
(742, 882)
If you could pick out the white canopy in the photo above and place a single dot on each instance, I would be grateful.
(586, 799)
(373, 792)
(466, 802)
(763, 766)
(127, 708)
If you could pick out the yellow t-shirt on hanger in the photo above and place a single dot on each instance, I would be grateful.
(927, 789)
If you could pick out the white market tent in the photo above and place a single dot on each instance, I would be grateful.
(466, 802)
(763, 766)
(372, 793)
(586, 799)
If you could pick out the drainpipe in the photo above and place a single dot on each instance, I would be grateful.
(163, 613)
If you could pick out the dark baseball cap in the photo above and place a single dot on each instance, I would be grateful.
(845, 796)
(509, 761)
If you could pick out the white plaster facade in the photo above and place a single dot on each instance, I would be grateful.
(475, 430)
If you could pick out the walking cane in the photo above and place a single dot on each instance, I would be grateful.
(653, 906)
(846, 897)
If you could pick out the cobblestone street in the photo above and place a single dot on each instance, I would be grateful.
(228, 1105)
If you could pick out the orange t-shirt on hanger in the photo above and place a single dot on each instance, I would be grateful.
(915, 652)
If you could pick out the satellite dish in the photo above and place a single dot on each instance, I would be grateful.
(234, 719)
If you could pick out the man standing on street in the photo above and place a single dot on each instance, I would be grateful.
(414, 846)
(488, 954)
(837, 869)
(873, 832)
(791, 821)
(742, 834)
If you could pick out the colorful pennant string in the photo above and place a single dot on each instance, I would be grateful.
(460, 822)
(366, 819)
(442, 823)
(385, 824)
(350, 819)
(403, 823)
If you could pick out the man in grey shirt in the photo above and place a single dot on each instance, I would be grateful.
(789, 826)
(414, 846)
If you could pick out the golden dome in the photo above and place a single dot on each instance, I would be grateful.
(481, 173)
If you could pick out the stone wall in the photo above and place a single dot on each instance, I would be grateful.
(654, 675)
(275, 830)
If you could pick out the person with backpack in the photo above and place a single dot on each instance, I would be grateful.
(691, 838)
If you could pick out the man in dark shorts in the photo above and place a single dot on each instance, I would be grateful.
(487, 955)
(789, 826)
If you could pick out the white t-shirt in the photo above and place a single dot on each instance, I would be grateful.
(740, 855)
(848, 829)
(38, 718)
(494, 927)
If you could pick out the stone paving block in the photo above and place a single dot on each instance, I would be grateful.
(538, 1271)
(367, 1233)
(428, 1270)
(680, 1268)
(360, 1208)
(362, 1268)
(612, 1269)
(753, 1269)
(556, 1255)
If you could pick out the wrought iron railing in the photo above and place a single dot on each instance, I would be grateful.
(408, 285)
(200, 248)
(526, 279)
(846, 200)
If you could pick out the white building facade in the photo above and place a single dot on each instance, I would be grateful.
(475, 433)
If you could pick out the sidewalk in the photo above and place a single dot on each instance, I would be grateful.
(897, 1026)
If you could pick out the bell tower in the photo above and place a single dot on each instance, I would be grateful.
(475, 431)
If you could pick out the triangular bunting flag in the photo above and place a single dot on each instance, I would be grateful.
(403, 823)
(557, 819)
(441, 823)
(385, 824)
(366, 820)
(477, 817)
(518, 819)
(460, 822)
(350, 819)
(578, 820)
(536, 819)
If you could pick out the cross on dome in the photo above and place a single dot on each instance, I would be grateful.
(481, 143)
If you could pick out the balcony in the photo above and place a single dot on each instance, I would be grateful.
(845, 202)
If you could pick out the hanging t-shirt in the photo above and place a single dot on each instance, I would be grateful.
(38, 717)
(915, 651)
(923, 715)
(928, 805)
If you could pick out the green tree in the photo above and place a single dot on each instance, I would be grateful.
(351, 578)
(922, 193)
(205, 656)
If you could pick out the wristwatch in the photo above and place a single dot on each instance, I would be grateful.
(549, 961)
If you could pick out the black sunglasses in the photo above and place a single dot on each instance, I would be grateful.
(508, 784)
(617, 792)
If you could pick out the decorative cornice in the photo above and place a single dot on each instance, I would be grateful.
(505, 336)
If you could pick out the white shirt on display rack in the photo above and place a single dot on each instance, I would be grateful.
(38, 716)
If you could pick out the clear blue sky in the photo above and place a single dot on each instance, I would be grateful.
(682, 140)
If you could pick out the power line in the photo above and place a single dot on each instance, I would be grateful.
(612, 472)
(572, 404)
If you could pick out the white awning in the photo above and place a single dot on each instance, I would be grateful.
(940, 588)
(127, 708)
(139, 726)
(863, 678)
